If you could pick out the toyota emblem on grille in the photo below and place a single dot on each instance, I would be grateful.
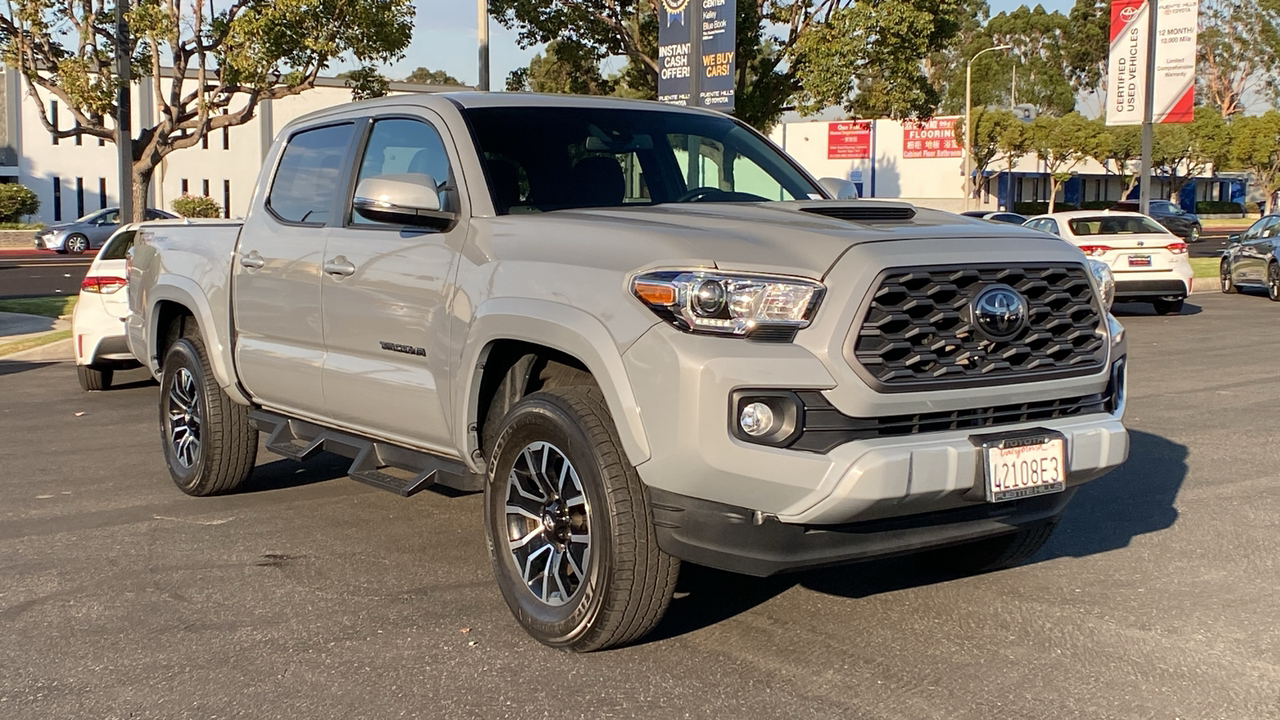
(1000, 312)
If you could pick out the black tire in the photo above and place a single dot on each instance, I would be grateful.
(225, 445)
(1194, 235)
(93, 379)
(995, 553)
(1168, 307)
(76, 244)
(1273, 281)
(627, 584)
(1224, 273)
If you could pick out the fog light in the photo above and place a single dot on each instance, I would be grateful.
(756, 419)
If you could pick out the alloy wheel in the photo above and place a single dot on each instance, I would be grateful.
(1273, 281)
(77, 244)
(548, 523)
(184, 418)
(1195, 234)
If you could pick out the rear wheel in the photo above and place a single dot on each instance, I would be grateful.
(1224, 272)
(1273, 281)
(208, 442)
(994, 553)
(1168, 307)
(569, 527)
(77, 244)
(92, 378)
(1194, 235)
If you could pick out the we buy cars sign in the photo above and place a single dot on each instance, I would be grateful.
(1128, 66)
(849, 140)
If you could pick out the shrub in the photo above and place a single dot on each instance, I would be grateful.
(197, 206)
(1214, 207)
(1097, 205)
(1253, 208)
(17, 201)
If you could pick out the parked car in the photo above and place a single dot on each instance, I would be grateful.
(1004, 217)
(98, 322)
(88, 232)
(639, 360)
(1150, 263)
(1252, 259)
(1176, 220)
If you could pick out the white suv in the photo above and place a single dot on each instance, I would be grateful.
(1150, 263)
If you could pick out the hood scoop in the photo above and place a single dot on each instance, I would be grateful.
(863, 212)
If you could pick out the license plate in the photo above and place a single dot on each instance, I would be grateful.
(1025, 466)
(1139, 261)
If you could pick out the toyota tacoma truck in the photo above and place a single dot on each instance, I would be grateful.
(645, 333)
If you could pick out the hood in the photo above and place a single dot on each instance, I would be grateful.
(786, 237)
(55, 227)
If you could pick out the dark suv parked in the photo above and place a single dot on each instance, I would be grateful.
(1176, 220)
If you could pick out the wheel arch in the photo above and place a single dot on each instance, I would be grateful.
(172, 301)
(504, 331)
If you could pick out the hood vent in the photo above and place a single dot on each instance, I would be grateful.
(868, 212)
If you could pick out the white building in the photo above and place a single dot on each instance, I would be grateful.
(75, 176)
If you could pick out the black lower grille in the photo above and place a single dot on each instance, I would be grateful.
(917, 331)
(826, 428)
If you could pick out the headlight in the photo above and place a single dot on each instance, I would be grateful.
(759, 307)
(1104, 282)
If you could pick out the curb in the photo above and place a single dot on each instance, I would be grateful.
(1206, 285)
(60, 351)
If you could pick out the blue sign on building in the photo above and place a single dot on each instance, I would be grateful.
(697, 52)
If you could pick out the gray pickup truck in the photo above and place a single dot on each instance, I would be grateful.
(646, 334)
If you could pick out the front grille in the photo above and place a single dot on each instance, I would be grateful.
(916, 332)
(825, 428)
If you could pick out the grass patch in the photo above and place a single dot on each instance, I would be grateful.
(53, 307)
(1205, 267)
(32, 343)
(1243, 222)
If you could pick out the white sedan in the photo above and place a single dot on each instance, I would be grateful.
(98, 323)
(1150, 264)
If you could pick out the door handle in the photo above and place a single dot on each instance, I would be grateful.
(339, 266)
(252, 261)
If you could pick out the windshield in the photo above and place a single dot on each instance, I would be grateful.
(94, 215)
(1115, 225)
(545, 159)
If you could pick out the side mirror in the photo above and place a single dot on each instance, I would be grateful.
(403, 199)
(1234, 239)
(839, 189)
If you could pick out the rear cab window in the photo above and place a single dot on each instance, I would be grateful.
(307, 176)
(119, 246)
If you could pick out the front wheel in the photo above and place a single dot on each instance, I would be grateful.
(569, 527)
(209, 445)
(1168, 307)
(1224, 272)
(1273, 282)
(1194, 235)
(77, 244)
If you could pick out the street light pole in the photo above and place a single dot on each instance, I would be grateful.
(483, 36)
(968, 126)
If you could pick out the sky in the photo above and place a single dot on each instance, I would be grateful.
(445, 39)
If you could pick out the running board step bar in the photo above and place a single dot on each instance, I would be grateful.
(379, 464)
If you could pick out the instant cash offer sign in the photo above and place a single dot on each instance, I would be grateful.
(697, 40)
(1174, 84)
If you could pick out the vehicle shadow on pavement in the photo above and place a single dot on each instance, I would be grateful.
(1136, 499)
(282, 473)
(1124, 309)
(13, 367)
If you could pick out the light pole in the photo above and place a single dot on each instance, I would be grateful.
(483, 36)
(968, 127)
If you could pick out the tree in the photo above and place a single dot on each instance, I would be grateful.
(1061, 144)
(210, 67)
(989, 129)
(1088, 47)
(196, 206)
(1181, 151)
(423, 76)
(17, 201)
(1255, 148)
(802, 51)
(365, 83)
(1118, 147)
(560, 70)
(1239, 47)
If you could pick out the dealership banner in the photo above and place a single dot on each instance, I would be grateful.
(1127, 62)
(935, 138)
(849, 140)
(697, 48)
(1175, 94)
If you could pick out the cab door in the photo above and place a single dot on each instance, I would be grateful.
(385, 291)
(276, 272)
(1251, 257)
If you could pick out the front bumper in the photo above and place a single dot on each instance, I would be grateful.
(683, 385)
(50, 242)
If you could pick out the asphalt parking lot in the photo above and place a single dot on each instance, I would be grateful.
(311, 596)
